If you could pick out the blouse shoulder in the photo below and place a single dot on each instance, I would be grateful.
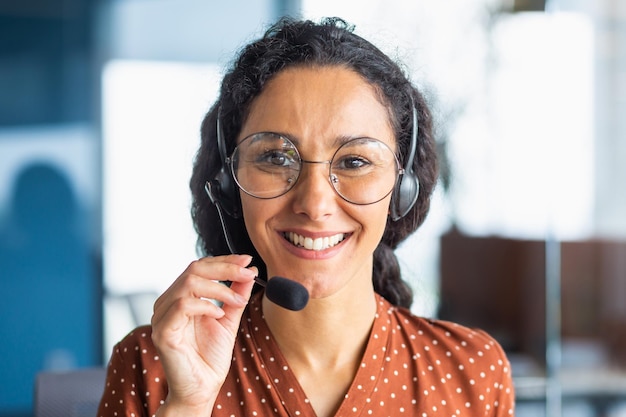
(138, 340)
(447, 353)
(136, 349)
(135, 383)
(456, 337)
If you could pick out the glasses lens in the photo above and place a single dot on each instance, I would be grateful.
(266, 165)
(364, 171)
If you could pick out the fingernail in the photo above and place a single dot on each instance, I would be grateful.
(248, 259)
(251, 273)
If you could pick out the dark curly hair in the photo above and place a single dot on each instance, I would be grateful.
(331, 42)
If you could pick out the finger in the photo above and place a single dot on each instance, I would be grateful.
(195, 287)
(241, 260)
(240, 291)
(233, 312)
(178, 316)
(177, 303)
(224, 268)
(199, 278)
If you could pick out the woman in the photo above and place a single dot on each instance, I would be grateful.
(317, 160)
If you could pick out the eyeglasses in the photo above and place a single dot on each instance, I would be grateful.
(267, 165)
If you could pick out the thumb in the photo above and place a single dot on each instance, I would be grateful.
(233, 313)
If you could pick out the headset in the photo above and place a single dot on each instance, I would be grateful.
(222, 189)
(407, 187)
(224, 194)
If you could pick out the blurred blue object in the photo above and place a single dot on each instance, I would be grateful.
(52, 297)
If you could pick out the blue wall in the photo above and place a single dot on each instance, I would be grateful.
(51, 54)
(50, 269)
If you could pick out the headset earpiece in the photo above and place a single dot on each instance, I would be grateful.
(221, 189)
(407, 187)
(404, 196)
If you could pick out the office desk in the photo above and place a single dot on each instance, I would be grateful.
(601, 389)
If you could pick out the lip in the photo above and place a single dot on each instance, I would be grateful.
(302, 252)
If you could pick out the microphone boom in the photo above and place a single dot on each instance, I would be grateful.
(286, 293)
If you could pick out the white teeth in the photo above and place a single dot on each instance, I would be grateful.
(316, 244)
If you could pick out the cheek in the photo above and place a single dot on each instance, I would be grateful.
(382, 217)
(256, 215)
(373, 219)
(251, 219)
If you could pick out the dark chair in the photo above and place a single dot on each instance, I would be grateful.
(74, 393)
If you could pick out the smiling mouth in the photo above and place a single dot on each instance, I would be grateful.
(316, 244)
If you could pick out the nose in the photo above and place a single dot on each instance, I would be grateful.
(313, 194)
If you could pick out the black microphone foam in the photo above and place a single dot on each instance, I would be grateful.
(286, 293)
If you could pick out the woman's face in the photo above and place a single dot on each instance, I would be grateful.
(317, 108)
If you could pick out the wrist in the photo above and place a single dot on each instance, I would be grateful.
(177, 409)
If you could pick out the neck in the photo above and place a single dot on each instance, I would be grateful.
(329, 332)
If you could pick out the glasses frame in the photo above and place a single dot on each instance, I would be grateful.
(332, 178)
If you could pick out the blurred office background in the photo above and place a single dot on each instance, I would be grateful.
(100, 108)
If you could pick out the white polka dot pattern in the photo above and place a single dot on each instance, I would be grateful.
(412, 366)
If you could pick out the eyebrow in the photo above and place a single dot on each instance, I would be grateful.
(337, 141)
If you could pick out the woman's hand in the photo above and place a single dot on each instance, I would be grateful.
(194, 336)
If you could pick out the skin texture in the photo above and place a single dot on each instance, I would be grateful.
(318, 108)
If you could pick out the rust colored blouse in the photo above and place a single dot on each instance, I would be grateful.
(412, 366)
